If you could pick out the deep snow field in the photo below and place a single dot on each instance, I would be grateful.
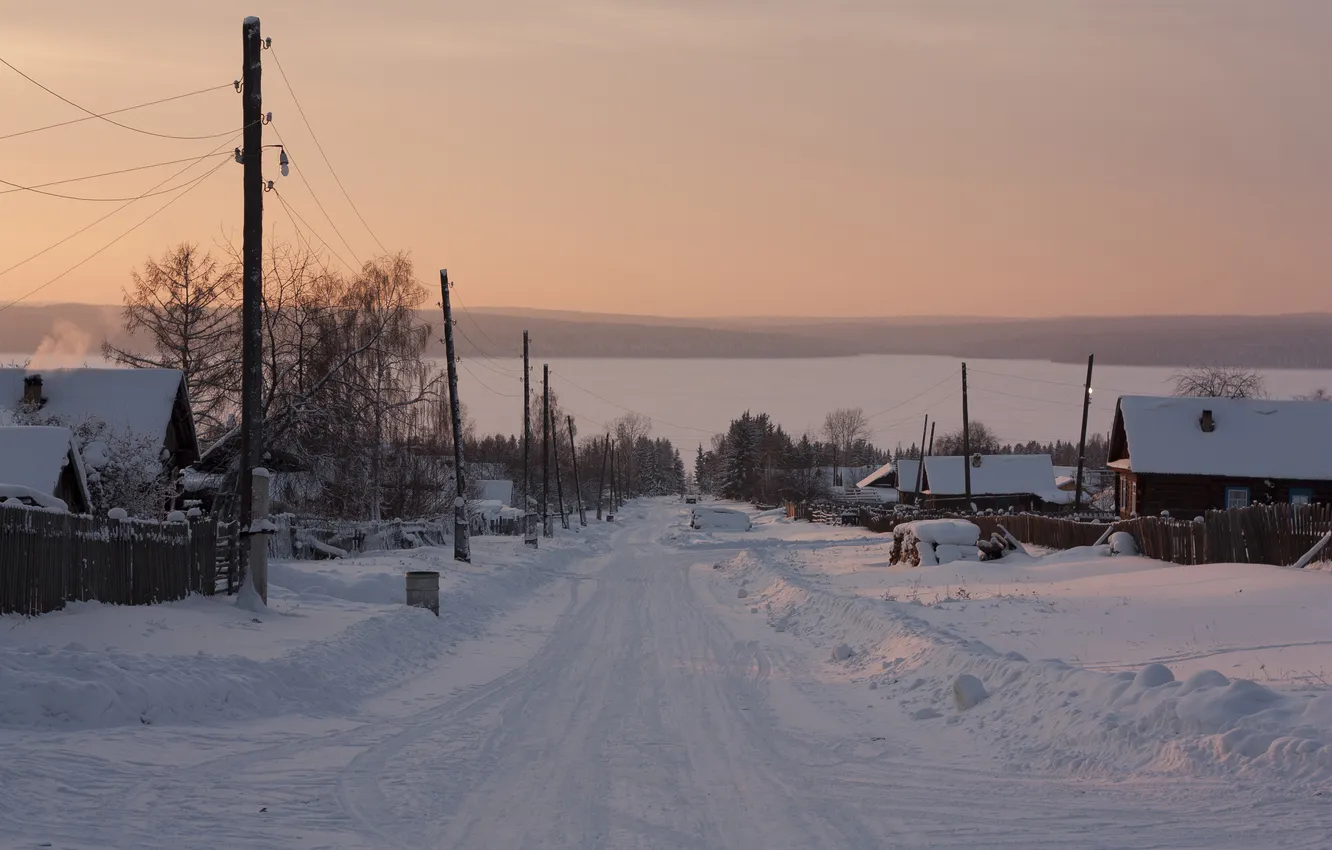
(1094, 665)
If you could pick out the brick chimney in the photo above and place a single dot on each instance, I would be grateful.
(32, 390)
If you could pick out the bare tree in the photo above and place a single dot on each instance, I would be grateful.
(1319, 394)
(844, 428)
(982, 439)
(1220, 382)
(187, 305)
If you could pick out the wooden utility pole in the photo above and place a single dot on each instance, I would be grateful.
(578, 486)
(555, 458)
(966, 440)
(252, 291)
(611, 512)
(920, 464)
(601, 483)
(461, 546)
(546, 529)
(529, 533)
(1082, 441)
(931, 451)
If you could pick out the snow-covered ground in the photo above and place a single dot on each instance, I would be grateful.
(648, 685)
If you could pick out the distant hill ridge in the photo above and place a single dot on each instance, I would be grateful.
(1288, 341)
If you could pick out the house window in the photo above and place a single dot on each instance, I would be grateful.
(1301, 495)
(1237, 497)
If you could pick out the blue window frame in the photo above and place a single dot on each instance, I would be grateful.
(1301, 495)
(1237, 497)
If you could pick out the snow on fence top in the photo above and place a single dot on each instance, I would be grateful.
(139, 401)
(996, 475)
(33, 458)
(1249, 438)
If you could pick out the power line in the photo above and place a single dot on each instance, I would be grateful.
(484, 384)
(88, 227)
(318, 203)
(102, 115)
(103, 174)
(497, 346)
(114, 111)
(35, 190)
(925, 391)
(629, 409)
(320, 148)
(292, 211)
(142, 222)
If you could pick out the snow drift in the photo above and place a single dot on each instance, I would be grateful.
(1049, 714)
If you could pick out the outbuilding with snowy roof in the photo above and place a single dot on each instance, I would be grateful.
(40, 466)
(999, 482)
(1187, 456)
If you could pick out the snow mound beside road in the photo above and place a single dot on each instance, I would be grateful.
(1051, 715)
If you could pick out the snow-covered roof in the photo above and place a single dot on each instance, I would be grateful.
(881, 472)
(497, 491)
(906, 474)
(33, 457)
(997, 475)
(139, 401)
(1252, 438)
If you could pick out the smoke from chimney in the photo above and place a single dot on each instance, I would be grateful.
(65, 346)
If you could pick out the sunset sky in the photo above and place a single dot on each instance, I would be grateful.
(714, 157)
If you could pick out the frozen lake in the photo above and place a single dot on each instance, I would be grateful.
(690, 400)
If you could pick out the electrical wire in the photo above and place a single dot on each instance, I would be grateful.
(292, 211)
(88, 227)
(103, 174)
(142, 222)
(495, 366)
(925, 391)
(477, 378)
(501, 349)
(114, 111)
(102, 115)
(34, 189)
(301, 110)
(292, 160)
(630, 409)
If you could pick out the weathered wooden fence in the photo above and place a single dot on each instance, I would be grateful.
(49, 558)
(1261, 534)
(299, 537)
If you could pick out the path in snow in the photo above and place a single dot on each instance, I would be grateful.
(636, 720)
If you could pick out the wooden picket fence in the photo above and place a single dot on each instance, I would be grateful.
(48, 558)
(1261, 534)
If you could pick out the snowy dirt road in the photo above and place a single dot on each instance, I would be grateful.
(636, 710)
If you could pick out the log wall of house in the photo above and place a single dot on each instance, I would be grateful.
(1186, 496)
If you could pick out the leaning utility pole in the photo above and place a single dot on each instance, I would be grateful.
(555, 458)
(601, 484)
(461, 548)
(546, 529)
(252, 292)
(920, 464)
(1082, 441)
(966, 440)
(578, 487)
(529, 533)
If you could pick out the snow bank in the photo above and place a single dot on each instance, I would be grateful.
(336, 633)
(1049, 714)
(719, 519)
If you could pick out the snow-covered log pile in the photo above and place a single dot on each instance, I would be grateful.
(929, 542)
